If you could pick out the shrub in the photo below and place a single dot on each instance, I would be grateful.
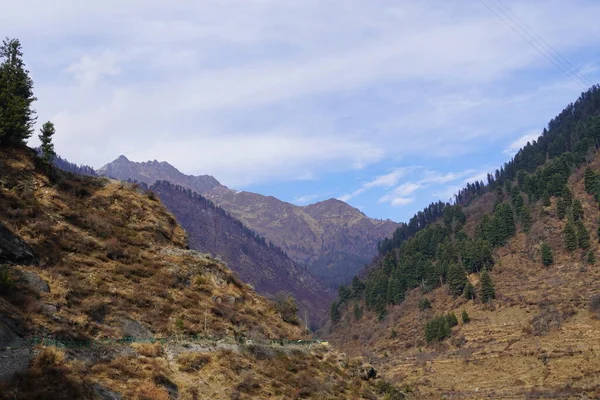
(287, 307)
(437, 329)
(469, 292)
(424, 303)
(393, 334)
(465, 317)
(547, 257)
(451, 319)
(547, 320)
(6, 281)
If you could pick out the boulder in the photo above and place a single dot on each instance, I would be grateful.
(13, 249)
(367, 372)
(34, 281)
(132, 328)
(105, 394)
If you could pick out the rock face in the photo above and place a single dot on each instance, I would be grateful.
(333, 239)
(211, 229)
(34, 281)
(13, 249)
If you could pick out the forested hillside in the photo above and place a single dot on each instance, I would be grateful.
(526, 241)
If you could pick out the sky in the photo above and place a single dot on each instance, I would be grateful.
(387, 105)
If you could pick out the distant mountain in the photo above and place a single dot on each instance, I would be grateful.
(211, 229)
(67, 166)
(333, 239)
(152, 171)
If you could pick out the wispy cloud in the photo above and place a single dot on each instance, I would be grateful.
(308, 198)
(517, 144)
(386, 180)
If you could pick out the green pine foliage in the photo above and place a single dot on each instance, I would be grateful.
(335, 313)
(547, 256)
(437, 329)
(570, 237)
(344, 294)
(457, 279)
(540, 170)
(357, 287)
(469, 291)
(546, 199)
(47, 146)
(424, 303)
(17, 118)
(591, 257)
(465, 317)
(567, 196)
(476, 254)
(561, 208)
(525, 217)
(451, 318)
(583, 236)
(358, 312)
(577, 210)
(487, 287)
(590, 180)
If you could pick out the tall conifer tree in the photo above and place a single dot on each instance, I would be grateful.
(16, 95)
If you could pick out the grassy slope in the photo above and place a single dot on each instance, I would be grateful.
(501, 351)
(111, 253)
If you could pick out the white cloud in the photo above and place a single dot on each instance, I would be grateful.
(308, 198)
(386, 180)
(252, 91)
(516, 145)
(88, 70)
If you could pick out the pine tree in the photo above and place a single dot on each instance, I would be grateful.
(16, 95)
(547, 257)
(357, 312)
(567, 196)
(577, 210)
(469, 291)
(465, 317)
(47, 146)
(451, 318)
(456, 279)
(583, 237)
(591, 257)
(561, 208)
(546, 199)
(570, 237)
(335, 312)
(487, 287)
(589, 180)
(525, 219)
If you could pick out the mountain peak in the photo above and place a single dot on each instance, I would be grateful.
(152, 171)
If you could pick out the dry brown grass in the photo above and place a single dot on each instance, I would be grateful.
(110, 253)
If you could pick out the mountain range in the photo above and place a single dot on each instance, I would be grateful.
(331, 238)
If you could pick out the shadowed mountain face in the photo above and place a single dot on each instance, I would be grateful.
(333, 239)
(211, 229)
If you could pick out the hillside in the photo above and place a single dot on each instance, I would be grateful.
(531, 329)
(333, 239)
(268, 269)
(87, 260)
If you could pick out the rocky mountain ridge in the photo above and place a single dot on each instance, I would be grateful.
(333, 239)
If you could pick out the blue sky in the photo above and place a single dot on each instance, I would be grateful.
(388, 105)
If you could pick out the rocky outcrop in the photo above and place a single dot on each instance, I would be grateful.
(34, 281)
(13, 249)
